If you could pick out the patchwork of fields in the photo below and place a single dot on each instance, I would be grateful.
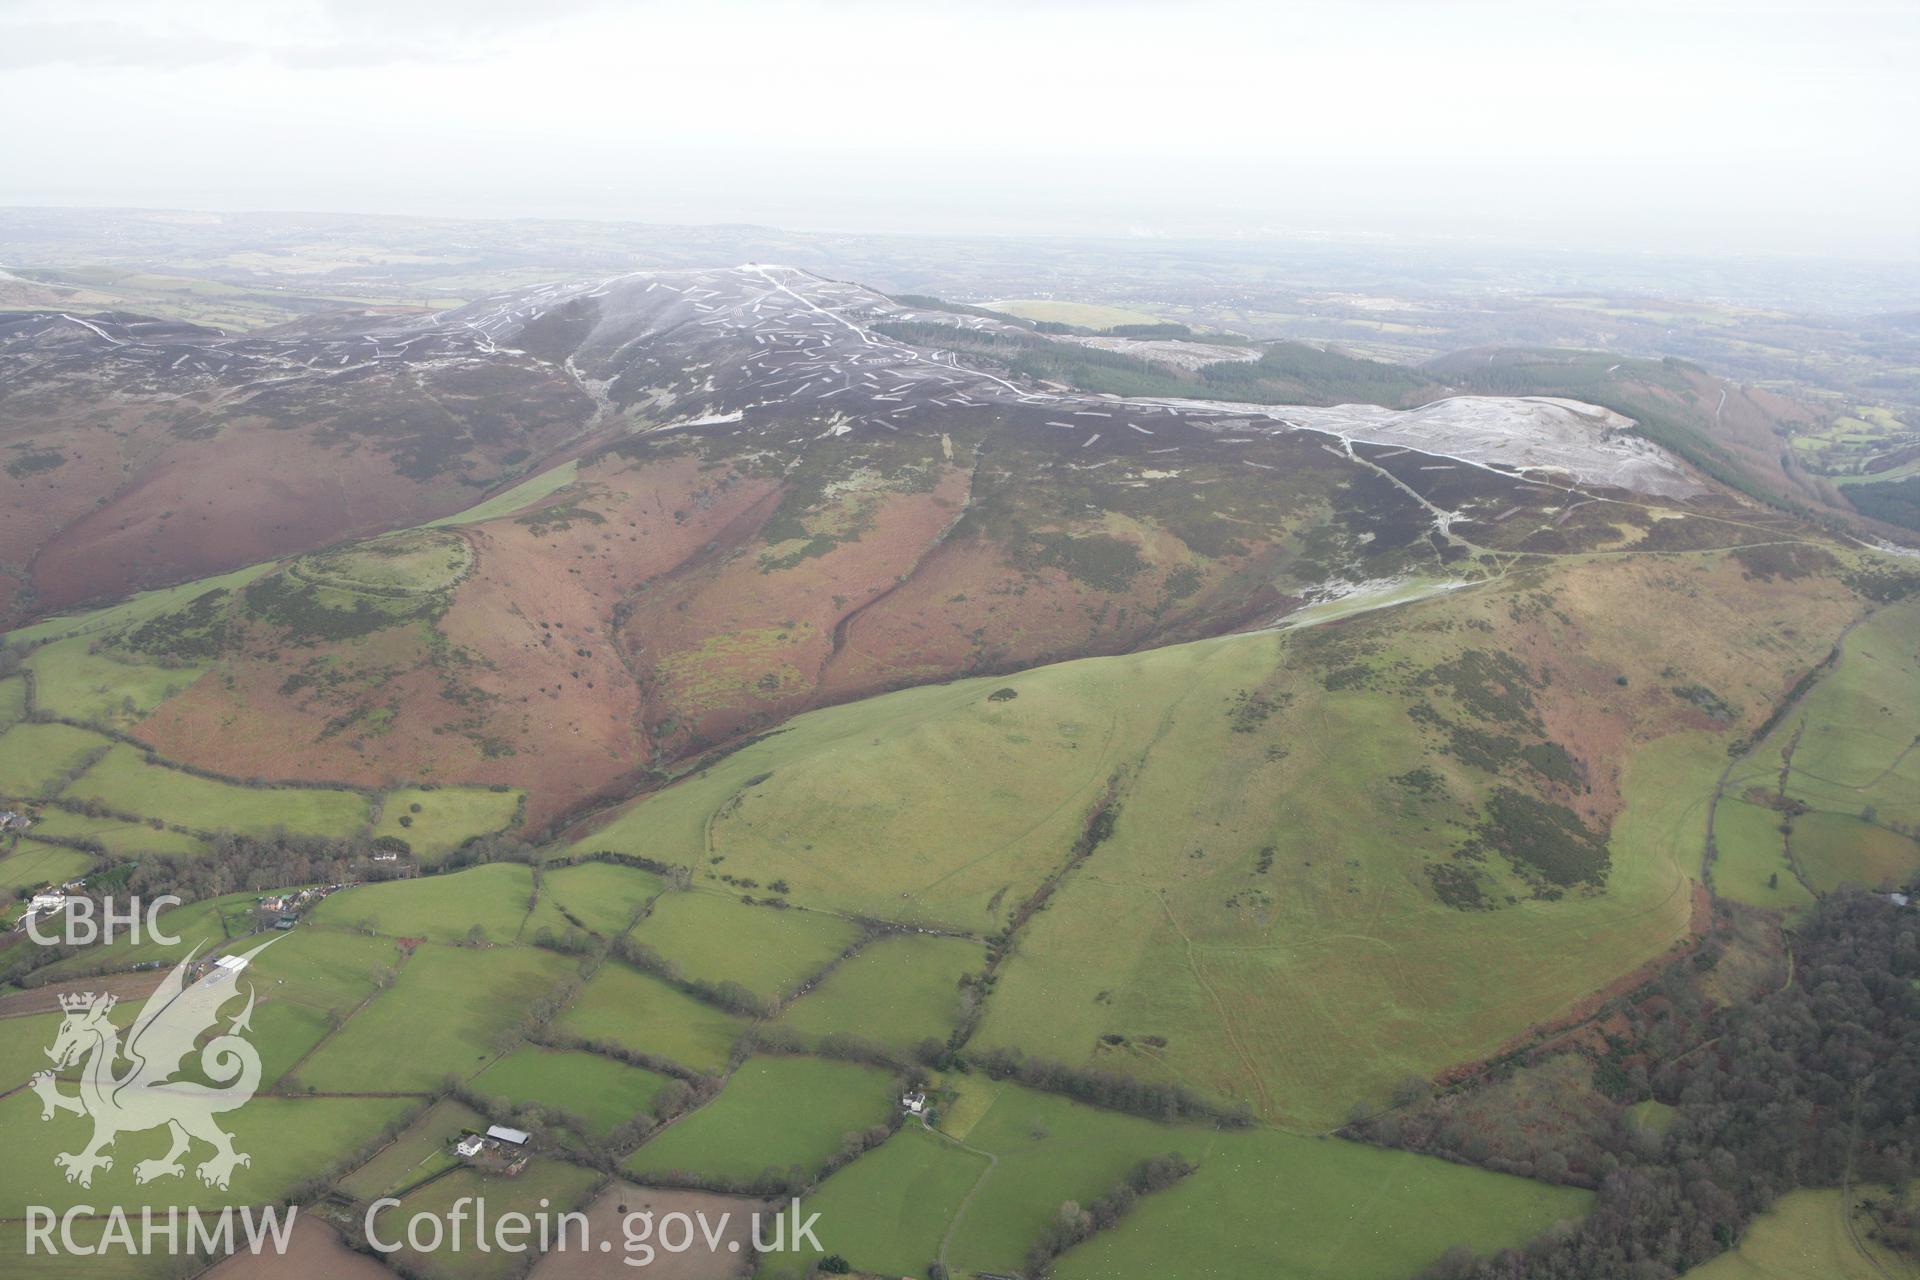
(1210, 900)
(364, 975)
(1831, 795)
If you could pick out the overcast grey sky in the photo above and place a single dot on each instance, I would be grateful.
(1687, 125)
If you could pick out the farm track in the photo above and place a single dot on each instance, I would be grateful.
(1220, 1009)
(960, 1210)
(1871, 783)
(1227, 1026)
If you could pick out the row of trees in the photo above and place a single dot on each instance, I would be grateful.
(1075, 1224)
(1155, 1099)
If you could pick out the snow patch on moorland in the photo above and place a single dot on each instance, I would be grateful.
(1543, 434)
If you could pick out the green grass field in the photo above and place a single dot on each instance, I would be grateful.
(102, 688)
(450, 1013)
(439, 819)
(110, 1266)
(410, 563)
(521, 496)
(603, 897)
(720, 939)
(1048, 1151)
(637, 1011)
(133, 610)
(13, 701)
(1750, 860)
(446, 908)
(119, 839)
(1835, 849)
(1857, 746)
(32, 864)
(1804, 1237)
(24, 1040)
(33, 757)
(23, 1047)
(898, 991)
(927, 806)
(126, 783)
(1288, 1208)
(777, 1112)
(285, 1032)
(419, 1152)
(888, 1211)
(289, 1140)
(309, 980)
(602, 1092)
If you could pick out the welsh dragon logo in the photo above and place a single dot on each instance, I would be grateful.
(145, 1094)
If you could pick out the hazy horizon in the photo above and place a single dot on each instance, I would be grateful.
(1703, 128)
